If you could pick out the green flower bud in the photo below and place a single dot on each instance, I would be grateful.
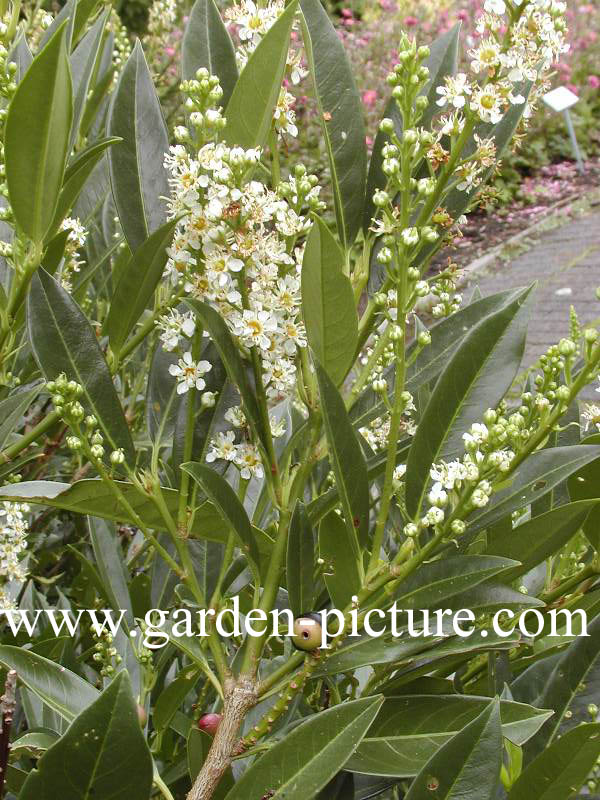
(424, 338)
(567, 347)
(386, 125)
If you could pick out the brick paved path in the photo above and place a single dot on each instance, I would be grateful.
(563, 259)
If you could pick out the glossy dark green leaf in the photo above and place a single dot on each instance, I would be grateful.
(162, 400)
(12, 409)
(250, 108)
(63, 341)
(207, 43)
(83, 63)
(328, 303)
(347, 460)
(227, 504)
(138, 176)
(340, 115)
(172, 697)
(409, 652)
(342, 567)
(137, 284)
(563, 682)
(561, 769)
(300, 562)
(540, 537)
(468, 766)
(585, 485)
(409, 730)
(76, 176)
(231, 358)
(475, 379)
(442, 61)
(103, 754)
(60, 689)
(532, 479)
(111, 565)
(299, 765)
(434, 582)
(36, 154)
(92, 496)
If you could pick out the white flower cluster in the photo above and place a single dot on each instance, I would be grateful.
(470, 479)
(161, 18)
(235, 250)
(251, 23)
(13, 543)
(510, 53)
(76, 240)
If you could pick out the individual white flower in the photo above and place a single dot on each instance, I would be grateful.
(591, 415)
(189, 373)
(236, 416)
(255, 326)
(248, 460)
(399, 473)
(437, 495)
(222, 447)
(495, 6)
(174, 325)
(487, 103)
(486, 57)
(455, 91)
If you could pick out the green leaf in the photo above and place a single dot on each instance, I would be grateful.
(475, 379)
(227, 504)
(468, 766)
(563, 682)
(63, 341)
(162, 400)
(102, 755)
(76, 176)
(442, 61)
(585, 485)
(328, 303)
(137, 172)
(365, 651)
(12, 410)
(111, 565)
(532, 479)
(21, 56)
(60, 689)
(231, 358)
(83, 63)
(37, 134)
(250, 109)
(207, 43)
(172, 697)
(410, 730)
(347, 460)
(340, 115)
(562, 768)
(302, 763)
(342, 568)
(92, 496)
(137, 283)
(300, 562)
(434, 582)
(540, 537)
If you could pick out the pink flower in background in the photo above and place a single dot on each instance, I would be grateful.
(170, 51)
(463, 15)
(573, 88)
(369, 98)
(410, 22)
(594, 81)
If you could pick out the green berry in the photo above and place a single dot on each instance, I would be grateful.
(307, 632)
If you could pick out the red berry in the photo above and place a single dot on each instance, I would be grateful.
(209, 723)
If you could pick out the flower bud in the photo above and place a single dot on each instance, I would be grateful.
(386, 125)
(117, 456)
(567, 347)
(424, 339)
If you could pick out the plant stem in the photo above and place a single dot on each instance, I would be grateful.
(28, 438)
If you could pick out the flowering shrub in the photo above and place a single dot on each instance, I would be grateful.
(216, 404)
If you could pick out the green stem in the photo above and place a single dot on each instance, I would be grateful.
(568, 584)
(28, 438)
